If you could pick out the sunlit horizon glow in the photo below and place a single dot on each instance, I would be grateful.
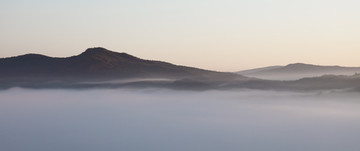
(226, 35)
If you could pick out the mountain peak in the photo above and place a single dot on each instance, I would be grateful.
(298, 64)
(304, 65)
(100, 51)
(107, 57)
(96, 50)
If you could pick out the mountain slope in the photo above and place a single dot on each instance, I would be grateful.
(251, 71)
(300, 70)
(97, 64)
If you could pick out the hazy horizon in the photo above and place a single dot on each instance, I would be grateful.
(236, 35)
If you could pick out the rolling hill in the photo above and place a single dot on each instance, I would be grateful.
(297, 71)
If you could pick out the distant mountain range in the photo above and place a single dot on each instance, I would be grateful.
(102, 68)
(297, 71)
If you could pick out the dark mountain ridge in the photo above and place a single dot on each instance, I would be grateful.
(101, 68)
(96, 64)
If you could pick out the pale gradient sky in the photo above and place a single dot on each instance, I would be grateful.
(223, 35)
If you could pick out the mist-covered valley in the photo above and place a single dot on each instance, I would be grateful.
(162, 119)
(199, 75)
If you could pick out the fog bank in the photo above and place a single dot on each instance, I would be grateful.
(166, 120)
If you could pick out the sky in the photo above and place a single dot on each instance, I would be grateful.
(222, 35)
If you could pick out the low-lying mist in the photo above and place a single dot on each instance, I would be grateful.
(166, 120)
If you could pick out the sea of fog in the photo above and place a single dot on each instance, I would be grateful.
(166, 120)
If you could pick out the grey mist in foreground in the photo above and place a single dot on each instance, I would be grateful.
(166, 120)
